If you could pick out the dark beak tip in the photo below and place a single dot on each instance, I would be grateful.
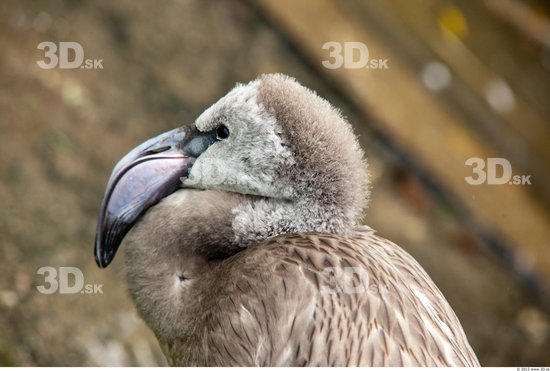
(103, 261)
(99, 255)
(99, 263)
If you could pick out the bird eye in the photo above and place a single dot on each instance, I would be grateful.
(222, 132)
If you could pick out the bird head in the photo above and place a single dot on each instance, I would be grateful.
(275, 157)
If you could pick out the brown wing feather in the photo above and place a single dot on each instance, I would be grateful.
(315, 299)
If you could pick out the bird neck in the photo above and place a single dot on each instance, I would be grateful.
(257, 219)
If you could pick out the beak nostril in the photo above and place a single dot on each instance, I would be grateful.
(155, 150)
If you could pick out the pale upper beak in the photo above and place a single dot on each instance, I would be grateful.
(143, 177)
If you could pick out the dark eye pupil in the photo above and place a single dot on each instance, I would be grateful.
(222, 132)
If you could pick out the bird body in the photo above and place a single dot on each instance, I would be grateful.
(301, 299)
(256, 257)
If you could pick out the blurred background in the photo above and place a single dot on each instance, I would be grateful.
(454, 80)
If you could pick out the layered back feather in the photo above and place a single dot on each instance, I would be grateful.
(316, 299)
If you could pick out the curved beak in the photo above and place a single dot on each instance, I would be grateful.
(142, 178)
